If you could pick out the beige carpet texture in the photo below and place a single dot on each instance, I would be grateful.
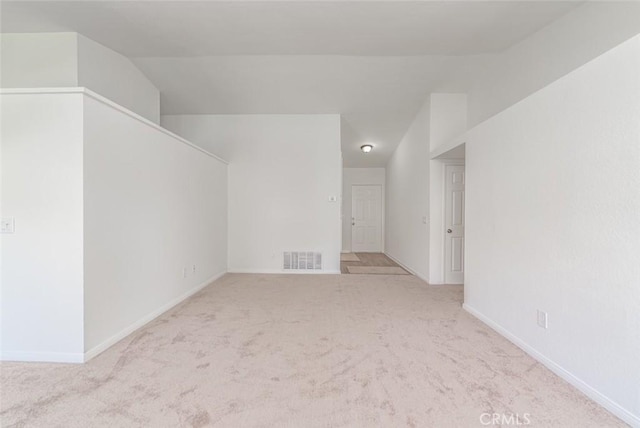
(301, 351)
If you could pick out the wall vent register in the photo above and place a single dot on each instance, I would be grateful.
(302, 260)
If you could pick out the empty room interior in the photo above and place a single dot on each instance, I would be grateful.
(320, 213)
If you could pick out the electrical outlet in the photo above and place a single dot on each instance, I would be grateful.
(194, 269)
(542, 319)
(184, 272)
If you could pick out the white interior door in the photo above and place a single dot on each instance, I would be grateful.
(454, 224)
(366, 219)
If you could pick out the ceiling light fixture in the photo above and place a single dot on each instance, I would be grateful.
(366, 148)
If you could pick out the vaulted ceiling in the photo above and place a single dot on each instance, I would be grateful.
(373, 62)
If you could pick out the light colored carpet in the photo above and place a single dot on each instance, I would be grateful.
(377, 270)
(349, 257)
(301, 351)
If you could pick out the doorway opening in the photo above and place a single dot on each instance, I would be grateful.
(454, 181)
(447, 212)
(366, 218)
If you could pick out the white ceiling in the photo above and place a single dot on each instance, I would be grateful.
(180, 29)
(377, 96)
(373, 62)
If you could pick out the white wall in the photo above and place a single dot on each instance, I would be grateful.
(549, 54)
(109, 210)
(153, 207)
(31, 60)
(114, 76)
(283, 170)
(216, 133)
(552, 224)
(407, 198)
(41, 308)
(448, 118)
(350, 177)
(50, 60)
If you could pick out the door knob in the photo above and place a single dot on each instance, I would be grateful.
(449, 230)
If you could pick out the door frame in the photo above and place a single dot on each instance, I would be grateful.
(446, 163)
(382, 220)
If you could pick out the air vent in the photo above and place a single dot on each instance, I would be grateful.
(302, 260)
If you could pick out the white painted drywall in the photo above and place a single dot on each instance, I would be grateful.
(555, 50)
(114, 76)
(448, 118)
(407, 198)
(282, 171)
(553, 225)
(109, 210)
(32, 60)
(41, 308)
(50, 60)
(350, 177)
(216, 133)
(153, 207)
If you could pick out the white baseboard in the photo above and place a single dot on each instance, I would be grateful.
(42, 357)
(589, 391)
(414, 273)
(286, 272)
(146, 319)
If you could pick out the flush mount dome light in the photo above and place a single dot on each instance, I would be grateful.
(366, 148)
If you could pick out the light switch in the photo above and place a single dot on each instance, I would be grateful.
(333, 199)
(542, 319)
(8, 225)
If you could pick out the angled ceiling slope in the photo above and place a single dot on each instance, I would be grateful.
(373, 62)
